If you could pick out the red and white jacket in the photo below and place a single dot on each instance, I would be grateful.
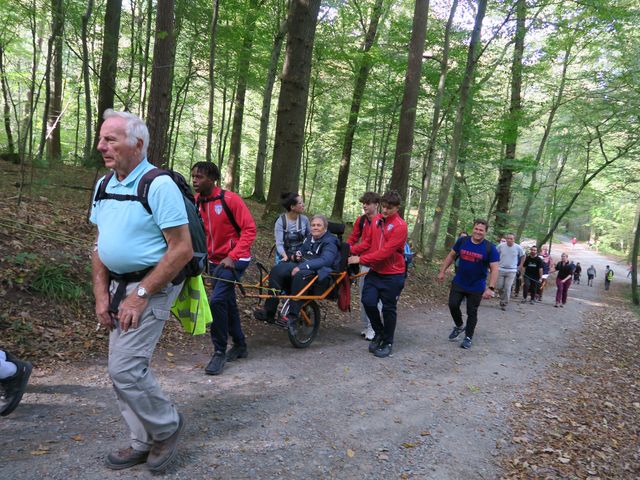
(222, 238)
(383, 245)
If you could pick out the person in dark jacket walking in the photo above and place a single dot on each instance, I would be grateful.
(563, 280)
(318, 255)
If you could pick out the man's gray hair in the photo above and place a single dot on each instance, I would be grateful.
(135, 128)
(324, 219)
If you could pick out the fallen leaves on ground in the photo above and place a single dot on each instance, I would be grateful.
(581, 419)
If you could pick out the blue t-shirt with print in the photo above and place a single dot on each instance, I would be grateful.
(471, 275)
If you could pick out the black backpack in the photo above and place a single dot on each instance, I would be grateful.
(198, 263)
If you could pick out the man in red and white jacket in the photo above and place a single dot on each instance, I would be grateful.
(370, 203)
(230, 231)
(383, 251)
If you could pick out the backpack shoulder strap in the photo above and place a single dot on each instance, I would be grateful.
(458, 243)
(283, 219)
(362, 220)
(145, 184)
(101, 192)
(488, 245)
(229, 213)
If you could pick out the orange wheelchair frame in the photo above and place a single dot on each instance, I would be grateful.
(305, 329)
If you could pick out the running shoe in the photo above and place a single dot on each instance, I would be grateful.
(455, 333)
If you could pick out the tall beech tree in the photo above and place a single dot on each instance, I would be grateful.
(161, 83)
(108, 69)
(362, 76)
(54, 149)
(456, 139)
(213, 36)
(232, 177)
(511, 125)
(258, 184)
(292, 102)
(417, 236)
(404, 140)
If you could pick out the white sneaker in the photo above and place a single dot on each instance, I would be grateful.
(369, 334)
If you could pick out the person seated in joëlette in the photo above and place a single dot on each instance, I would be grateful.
(318, 255)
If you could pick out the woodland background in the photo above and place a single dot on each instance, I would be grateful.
(523, 112)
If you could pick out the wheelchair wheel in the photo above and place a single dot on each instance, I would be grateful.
(306, 326)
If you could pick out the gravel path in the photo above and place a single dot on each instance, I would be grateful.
(432, 411)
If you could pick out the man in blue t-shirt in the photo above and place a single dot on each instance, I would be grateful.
(476, 256)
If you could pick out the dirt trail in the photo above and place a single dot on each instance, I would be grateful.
(432, 411)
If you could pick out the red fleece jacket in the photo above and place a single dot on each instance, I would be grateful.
(384, 245)
(222, 238)
(358, 234)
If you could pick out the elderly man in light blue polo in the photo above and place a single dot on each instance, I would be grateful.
(137, 257)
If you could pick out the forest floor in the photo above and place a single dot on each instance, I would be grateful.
(543, 393)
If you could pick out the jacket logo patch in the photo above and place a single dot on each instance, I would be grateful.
(389, 227)
(218, 209)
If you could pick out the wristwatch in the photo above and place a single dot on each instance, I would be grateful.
(142, 292)
(493, 289)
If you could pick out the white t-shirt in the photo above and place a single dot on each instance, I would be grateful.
(509, 257)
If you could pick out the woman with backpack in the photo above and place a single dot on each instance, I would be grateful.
(291, 227)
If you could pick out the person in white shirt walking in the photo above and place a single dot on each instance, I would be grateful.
(511, 258)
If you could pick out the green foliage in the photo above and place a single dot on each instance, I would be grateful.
(56, 282)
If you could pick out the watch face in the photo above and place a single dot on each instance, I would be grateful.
(142, 292)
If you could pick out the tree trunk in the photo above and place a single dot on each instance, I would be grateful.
(54, 149)
(513, 121)
(404, 141)
(258, 184)
(555, 104)
(292, 103)
(7, 107)
(232, 177)
(108, 69)
(161, 83)
(132, 53)
(456, 141)
(352, 122)
(88, 109)
(176, 116)
(144, 64)
(454, 210)
(417, 235)
(47, 98)
(212, 82)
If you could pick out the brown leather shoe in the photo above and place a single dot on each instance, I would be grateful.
(163, 452)
(125, 458)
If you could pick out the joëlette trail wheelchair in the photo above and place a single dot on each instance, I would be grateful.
(337, 287)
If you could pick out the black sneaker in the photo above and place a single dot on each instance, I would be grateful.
(384, 350)
(466, 343)
(14, 386)
(455, 333)
(236, 352)
(216, 364)
(375, 343)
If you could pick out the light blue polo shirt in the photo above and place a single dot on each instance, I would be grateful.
(129, 239)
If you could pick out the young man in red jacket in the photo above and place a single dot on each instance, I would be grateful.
(370, 203)
(230, 233)
(383, 251)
